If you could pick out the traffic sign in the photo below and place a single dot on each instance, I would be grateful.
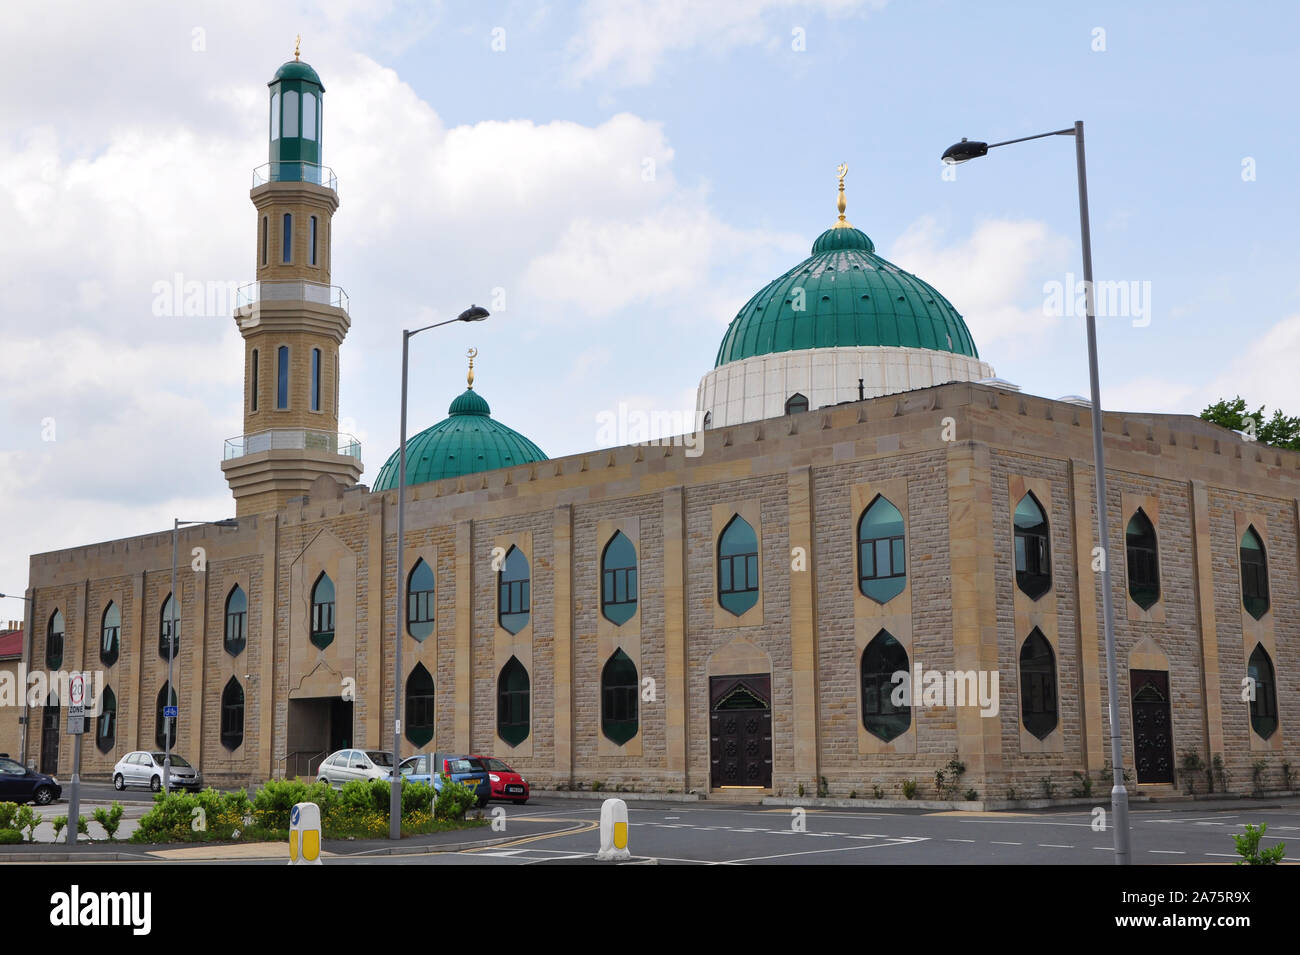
(170, 712)
(76, 697)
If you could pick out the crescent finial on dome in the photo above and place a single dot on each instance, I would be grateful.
(842, 223)
(472, 353)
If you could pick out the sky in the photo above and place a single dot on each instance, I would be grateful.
(613, 180)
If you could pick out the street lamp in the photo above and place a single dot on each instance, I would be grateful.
(475, 313)
(173, 637)
(963, 152)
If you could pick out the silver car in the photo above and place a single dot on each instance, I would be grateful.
(349, 764)
(144, 768)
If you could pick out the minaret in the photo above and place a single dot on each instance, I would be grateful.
(292, 319)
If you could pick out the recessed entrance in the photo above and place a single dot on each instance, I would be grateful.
(1153, 734)
(317, 727)
(740, 730)
(50, 731)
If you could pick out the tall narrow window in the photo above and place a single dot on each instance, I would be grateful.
(419, 601)
(232, 715)
(315, 379)
(1263, 706)
(514, 597)
(419, 706)
(110, 635)
(106, 724)
(236, 621)
(882, 717)
(286, 236)
(312, 245)
(275, 124)
(1143, 563)
(619, 692)
(169, 629)
(1254, 573)
(322, 611)
(796, 404)
(882, 569)
(738, 566)
(290, 113)
(282, 377)
(618, 580)
(308, 116)
(1033, 550)
(265, 221)
(253, 397)
(1038, 709)
(54, 641)
(165, 726)
(512, 702)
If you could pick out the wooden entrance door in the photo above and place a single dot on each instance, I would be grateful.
(1153, 732)
(50, 732)
(740, 730)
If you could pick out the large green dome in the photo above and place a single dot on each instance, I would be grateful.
(466, 442)
(297, 70)
(851, 297)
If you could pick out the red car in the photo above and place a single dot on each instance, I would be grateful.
(506, 784)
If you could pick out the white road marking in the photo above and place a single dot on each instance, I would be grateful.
(1168, 852)
(959, 840)
(1052, 845)
(996, 843)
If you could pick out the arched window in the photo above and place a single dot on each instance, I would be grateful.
(54, 641)
(884, 716)
(618, 579)
(1263, 708)
(882, 568)
(738, 566)
(1038, 709)
(619, 691)
(1033, 548)
(106, 724)
(165, 726)
(322, 611)
(512, 702)
(312, 245)
(308, 115)
(275, 123)
(1143, 562)
(419, 601)
(110, 635)
(287, 239)
(264, 246)
(315, 379)
(708, 420)
(232, 715)
(282, 377)
(236, 621)
(169, 629)
(253, 403)
(419, 706)
(1254, 573)
(796, 404)
(290, 113)
(513, 592)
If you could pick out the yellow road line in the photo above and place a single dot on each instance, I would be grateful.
(583, 827)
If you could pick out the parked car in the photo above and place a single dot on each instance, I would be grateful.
(144, 768)
(19, 784)
(460, 769)
(506, 783)
(349, 764)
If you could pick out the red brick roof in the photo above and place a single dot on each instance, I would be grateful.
(11, 645)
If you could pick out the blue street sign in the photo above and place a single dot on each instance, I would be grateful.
(293, 816)
(170, 712)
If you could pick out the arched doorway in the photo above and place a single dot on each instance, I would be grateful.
(740, 730)
(50, 735)
(1153, 732)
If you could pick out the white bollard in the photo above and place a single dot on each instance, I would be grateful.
(304, 834)
(613, 830)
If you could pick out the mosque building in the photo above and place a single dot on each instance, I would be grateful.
(870, 500)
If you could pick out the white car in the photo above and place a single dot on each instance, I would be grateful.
(143, 768)
(349, 764)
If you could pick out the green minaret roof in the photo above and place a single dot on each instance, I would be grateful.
(297, 70)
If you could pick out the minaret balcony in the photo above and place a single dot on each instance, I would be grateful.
(291, 439)
(257, 293)
(296, 171)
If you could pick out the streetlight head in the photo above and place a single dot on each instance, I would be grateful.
(228, 522)
(475, 313)
(964, 151)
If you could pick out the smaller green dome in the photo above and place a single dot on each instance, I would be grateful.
(471, 402)
(297, 70)
(836, 239)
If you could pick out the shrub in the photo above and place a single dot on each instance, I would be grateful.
(972, 795)
(110, 819)
(59, 822)
(1084, 789)
(1220, 771)
(1286, 775)
(1257, 770)
(10, 837)
(909, 788)
(597, 786)
(8, 813)
(1248, 847)
(853, 794)
(1193, 765)
(877, 792)
(1012, 795)
(417, 797)
(26, 821)
(454, 800)
(1049, 787)
(823, 788)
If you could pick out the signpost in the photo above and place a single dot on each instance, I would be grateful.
(77, 727)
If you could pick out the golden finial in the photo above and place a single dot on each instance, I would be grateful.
(842, 170)
(297, 42)
(472, 353)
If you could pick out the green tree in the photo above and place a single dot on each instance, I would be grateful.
(1280, 431)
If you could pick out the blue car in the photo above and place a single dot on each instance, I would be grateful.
(461, 769)
(18, 784)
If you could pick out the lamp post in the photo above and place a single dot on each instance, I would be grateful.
(475, 313)
(173, 637)
(963, 152)
(29, 615)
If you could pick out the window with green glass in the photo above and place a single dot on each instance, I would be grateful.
(1254, 574)
(419, 601)
(514, 591)
(232, 715)
(106, 722)
(619, 695)
(796, 404)
(236, 636)
(513, 702)
(419, 706)
(882, 567)
(110, 635)
(1263, 708)
(1033, 548)
(54, 641)
(1143, 560)
(882, 717)
(165, 726)
(322, 611)
(738, 566)
(169, 629)
(1038, 706)
(618, 579)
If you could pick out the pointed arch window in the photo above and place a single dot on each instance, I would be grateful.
(312, 245)
(882, 717)
(322, 611)
(419, 601)
(1033, 548)
(264, 237)
(54, 641)
(1143, 560)
(290, 113)
(236, 621)
(253, 396)
(1254, 573)
(419, 706)
(1263, 708)
(315, 379)
(165, 726)
(1038, 707)
(513, 702)
(618, 580)
(738, 566)
(514, 592)
(619, 694)
(286, 235)
(106, 723)
(169, 629)
(308, 115)
(275, 124)
(232, 715)
(882, 568)
(796, 404)
(110, 635)
(282, 377)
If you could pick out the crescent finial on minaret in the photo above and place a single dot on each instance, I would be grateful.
(842, 223)
(297, 42)
(472, 354)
